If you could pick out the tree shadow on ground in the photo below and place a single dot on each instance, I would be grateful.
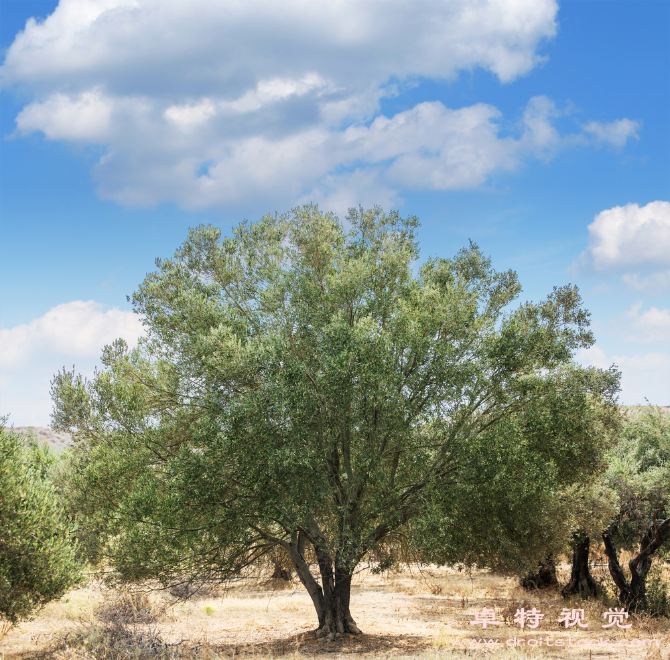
(307, 644)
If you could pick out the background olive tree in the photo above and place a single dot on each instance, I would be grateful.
(301, 387)
(639, 472)
(37, 554)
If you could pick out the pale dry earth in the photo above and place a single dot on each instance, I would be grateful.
(424, 614)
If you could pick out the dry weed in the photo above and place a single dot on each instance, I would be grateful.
(192, 591)
(5, 627)
(652, 626)
(435, 589)
(278, 585)
(132, 607)
(122, 627)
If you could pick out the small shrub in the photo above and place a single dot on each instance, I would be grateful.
(188, 590)
(131, 607)
(435, 589)
(125, 628)
(183, 590)
(111, 642)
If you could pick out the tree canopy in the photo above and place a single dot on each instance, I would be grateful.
(301, 386)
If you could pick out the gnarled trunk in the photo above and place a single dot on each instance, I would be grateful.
(296, 552)
(581, 581)
(543, 579)
(336, 583)
(280, 573)
(634, 594)
(331, 598)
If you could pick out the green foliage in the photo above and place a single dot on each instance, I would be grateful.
(658, 589)
(590, 507)
(298, 381)
(88, 532)
(639, 472)
(520, 489)
(37, 562)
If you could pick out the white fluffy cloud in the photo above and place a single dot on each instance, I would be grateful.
(631, 236)
(648, 326)
(202, 45)
(72, 330)
(83, 117)
(31, 353)
(615, 133)
(210, 104)
(643, 377)
(654, 284)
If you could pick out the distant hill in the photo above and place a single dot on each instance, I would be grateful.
(56, 441)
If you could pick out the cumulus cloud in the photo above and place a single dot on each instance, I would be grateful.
(632, 241)
(630, 236)
(203, 44)
(656, 283)
(615, 133)
(82, 117)
(31, 353)
(643, 377)
(648, 326)
(210, 104)
(267, 92)
(72, 330)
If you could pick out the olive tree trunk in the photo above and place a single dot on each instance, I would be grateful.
(330, 598)
(581, 581)
(336, 583)
(543, 579)
(633, 594)
(280, 573)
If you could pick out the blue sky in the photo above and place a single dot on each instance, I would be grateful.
(540, 130)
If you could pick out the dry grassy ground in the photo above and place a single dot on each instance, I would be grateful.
(414, 614)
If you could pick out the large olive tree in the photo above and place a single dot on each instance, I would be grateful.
(301, 387)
